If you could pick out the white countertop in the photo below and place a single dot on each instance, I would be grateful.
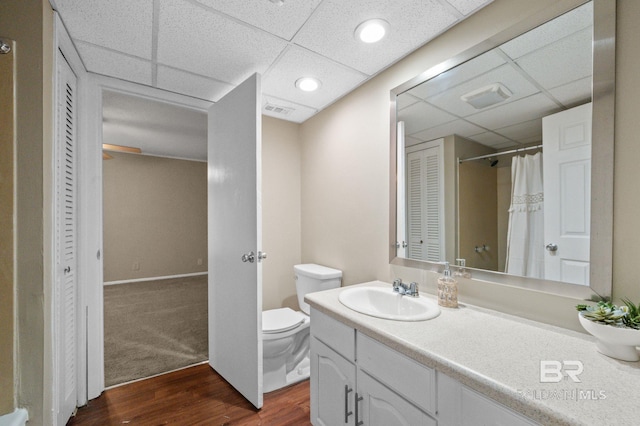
(499, 355)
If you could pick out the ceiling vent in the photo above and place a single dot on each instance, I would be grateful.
(487, 96)
(280, 110)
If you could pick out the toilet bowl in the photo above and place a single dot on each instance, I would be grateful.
(285, 332)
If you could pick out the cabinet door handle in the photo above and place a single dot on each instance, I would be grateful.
(347, 413)
(358, 399)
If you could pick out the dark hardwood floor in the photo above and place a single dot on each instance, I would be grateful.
(193, 396)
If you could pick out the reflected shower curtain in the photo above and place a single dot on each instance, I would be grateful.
(525, 239)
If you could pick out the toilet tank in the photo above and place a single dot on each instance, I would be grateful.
(311, 278)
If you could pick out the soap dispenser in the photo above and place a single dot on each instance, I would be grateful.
(462, 270)
(447, 289)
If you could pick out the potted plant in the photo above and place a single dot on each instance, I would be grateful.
(616, 328)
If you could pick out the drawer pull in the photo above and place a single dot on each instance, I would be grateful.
(347, 413)
(358, 399)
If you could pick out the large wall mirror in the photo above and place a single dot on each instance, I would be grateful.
(502, 157)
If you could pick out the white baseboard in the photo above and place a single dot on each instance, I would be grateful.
(18, 418)
(138, 280)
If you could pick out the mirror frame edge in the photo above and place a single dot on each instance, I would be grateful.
(603, 100)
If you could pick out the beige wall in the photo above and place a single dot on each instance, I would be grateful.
(280, 211)
(155, 217)
(7, 288)
(345, 166)
(30, 24)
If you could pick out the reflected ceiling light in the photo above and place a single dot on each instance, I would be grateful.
(487, 96)
(308, 84)
(372, 30)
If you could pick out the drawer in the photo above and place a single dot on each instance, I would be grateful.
(414, 381)
(340, 337)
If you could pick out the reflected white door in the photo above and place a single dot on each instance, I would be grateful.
(567, 194)
(425, 201)
(234, 210)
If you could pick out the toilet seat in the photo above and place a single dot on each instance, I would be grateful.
(281, 320)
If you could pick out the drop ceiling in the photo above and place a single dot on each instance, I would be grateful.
(548, 70)
(204, 48)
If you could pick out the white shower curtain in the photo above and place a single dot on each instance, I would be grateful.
(525, 239)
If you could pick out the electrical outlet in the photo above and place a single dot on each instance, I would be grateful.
(135, 266)
(199, 261)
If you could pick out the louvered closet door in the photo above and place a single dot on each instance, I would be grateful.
(65, 289)
(424, 205)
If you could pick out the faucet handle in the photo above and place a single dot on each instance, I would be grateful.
(413, 290)
(397, 283)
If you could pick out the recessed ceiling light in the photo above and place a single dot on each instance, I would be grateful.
(372, 30)
(308, 84)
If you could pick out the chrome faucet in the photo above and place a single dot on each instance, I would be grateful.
(405, 289)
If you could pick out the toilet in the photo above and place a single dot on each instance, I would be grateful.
(285, 332)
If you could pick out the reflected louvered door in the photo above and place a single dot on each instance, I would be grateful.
(425, 204)
(66, 264)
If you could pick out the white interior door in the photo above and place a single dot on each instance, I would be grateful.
(567, 194)
(65, 241)
(235, 211)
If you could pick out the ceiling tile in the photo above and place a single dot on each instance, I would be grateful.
(560, 63)
(196, 39)
(574, 93)
(191, 84)
(526, 109)
(297, 62)
(506, 75)
(113, 64)
(457, 127)
(422, 116)
(492, 140)
(291, 111)
(458, 75)
(561, 27)
(523, 131)
(122, 25)
(282, 20)
(330, 30)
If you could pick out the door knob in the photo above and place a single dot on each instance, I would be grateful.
(249, 257)
(552, 247)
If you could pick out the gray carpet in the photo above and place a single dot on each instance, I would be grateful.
(153, 327)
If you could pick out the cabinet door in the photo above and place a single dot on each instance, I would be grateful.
(380, 406)
(333, 381)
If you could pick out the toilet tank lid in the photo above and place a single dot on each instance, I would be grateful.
(317, 271)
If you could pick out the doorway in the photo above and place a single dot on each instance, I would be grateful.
(154, 182)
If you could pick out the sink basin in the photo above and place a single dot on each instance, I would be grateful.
(384, 303)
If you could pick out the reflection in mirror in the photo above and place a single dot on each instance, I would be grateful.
(494, 157)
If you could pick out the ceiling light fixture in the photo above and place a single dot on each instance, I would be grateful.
(487, 96)
(372, 30)
(278, 2)
(308, 84)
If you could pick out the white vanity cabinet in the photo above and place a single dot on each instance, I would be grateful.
(372, 385)
(461, 406)
(356, 380)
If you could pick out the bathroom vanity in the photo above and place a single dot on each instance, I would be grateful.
(468, 366)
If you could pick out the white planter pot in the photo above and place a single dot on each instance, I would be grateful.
(616, 342)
